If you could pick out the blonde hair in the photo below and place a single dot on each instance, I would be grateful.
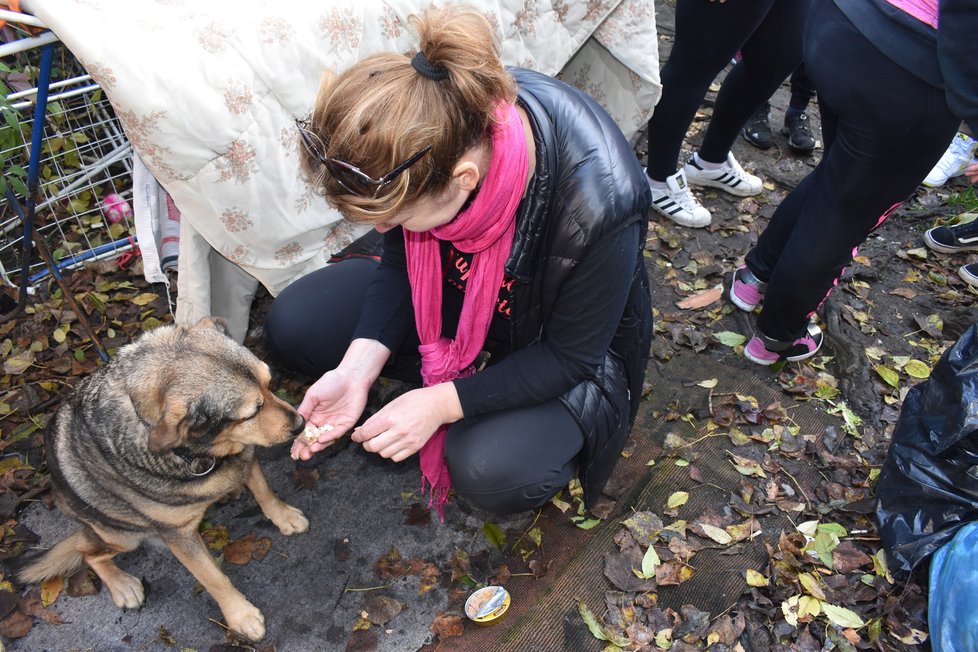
(381, 111)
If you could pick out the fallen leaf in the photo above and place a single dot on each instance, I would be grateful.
(381, 609)
(677, 499)
(701, 299)
(719, 535)
(447, 625)
(728, 338)
(51, 589)
(754, 578)
(672, 572)
(917, 369)
(842, 617)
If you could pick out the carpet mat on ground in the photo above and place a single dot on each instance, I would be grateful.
(544, 613)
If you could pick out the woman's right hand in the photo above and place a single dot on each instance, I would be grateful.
(336, 399)
(339, 397)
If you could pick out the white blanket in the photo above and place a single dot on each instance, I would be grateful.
(208, 91)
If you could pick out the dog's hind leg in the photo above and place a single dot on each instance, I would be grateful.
(287, 518)
(99, 551)
(241, 616)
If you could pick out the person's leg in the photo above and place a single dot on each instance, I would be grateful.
(309, 326)
(802, 89)
(708, 34)
(865, 174)
(769, 55)
(514, 460)
(797, 126)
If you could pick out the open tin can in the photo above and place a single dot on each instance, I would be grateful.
(487, 605)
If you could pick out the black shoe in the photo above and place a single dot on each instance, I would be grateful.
(969, 274)
(796, 128)
(757, 131)
(952, 239)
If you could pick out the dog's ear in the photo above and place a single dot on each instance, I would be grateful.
(217, 323)
(171, 430)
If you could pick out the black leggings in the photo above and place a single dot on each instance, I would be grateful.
(503, 462)
(708, 34)
(884, 129)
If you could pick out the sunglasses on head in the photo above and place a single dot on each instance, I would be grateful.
(353, 179)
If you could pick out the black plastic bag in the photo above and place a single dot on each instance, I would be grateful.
(928, 488)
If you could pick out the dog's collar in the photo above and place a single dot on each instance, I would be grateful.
(199, 465)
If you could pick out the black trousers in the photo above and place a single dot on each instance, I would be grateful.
(884, 129)
(504, 462)
(767, 33)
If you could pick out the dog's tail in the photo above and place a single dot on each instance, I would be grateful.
(63, 559)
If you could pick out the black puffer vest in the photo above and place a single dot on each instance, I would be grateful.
(579, 194)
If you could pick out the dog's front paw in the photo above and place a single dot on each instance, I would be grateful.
(127, 591)
(247, 619)
(290, 520)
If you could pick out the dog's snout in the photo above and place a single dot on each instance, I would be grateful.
(298, 424)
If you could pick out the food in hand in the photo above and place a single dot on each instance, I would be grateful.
(311, 434)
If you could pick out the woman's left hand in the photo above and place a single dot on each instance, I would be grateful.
(406, 424)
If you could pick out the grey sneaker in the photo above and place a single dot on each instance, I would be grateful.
(676, 202)
(729, 177)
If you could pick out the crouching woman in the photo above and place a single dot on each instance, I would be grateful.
(511, 283)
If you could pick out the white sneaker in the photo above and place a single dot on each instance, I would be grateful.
(676, 202)
(730, 177)
(954, 162)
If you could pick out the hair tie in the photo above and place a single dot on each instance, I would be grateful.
(428, 70)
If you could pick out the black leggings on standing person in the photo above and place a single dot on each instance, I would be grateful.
(884, 129)
(767, 33)
(504, 462)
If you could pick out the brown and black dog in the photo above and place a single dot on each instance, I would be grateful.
(148, 442)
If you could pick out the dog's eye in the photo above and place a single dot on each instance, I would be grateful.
(256, 412)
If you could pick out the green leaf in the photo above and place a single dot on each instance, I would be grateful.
(585, 523)
(917, 369)
(889, 376)
(494, 534)
(650, 562)
(729, 338)
(599, 632)
(842, 617)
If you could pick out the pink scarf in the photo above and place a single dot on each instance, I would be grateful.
(485, 229)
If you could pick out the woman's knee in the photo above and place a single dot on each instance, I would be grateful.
(498, 475)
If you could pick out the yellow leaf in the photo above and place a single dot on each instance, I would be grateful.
(719, 535)
(754, 578)
(708, 384)
(677, 499)
(808, 606)
(917, 369)
(13, 463)
(810, 584)
(891, 377)
(50, 590)
(145, 298)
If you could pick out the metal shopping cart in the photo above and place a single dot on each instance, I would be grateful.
(66, 166)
